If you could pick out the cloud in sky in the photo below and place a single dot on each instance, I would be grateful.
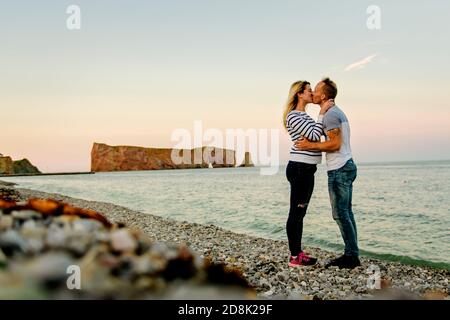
(360, 64)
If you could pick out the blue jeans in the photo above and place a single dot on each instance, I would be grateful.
(340, 187)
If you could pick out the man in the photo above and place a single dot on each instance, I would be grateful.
(341, 171)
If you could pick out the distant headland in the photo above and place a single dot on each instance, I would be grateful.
(8, 166)
(105, 158)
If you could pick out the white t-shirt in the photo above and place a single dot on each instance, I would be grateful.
(335, 118)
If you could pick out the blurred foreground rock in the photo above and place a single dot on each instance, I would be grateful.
(51, 250)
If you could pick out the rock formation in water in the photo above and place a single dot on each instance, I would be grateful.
(128, 158)
(6, 165)
(247, 161)
(24, 166)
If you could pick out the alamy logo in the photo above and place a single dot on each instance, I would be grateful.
(73, 22)
(374, 19)
(74, 280)
(263, 145)
(374, 280)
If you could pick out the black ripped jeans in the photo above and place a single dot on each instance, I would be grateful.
(301, 177)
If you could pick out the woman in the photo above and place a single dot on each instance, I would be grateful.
(302, 165)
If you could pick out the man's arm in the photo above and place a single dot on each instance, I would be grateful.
(331, 145)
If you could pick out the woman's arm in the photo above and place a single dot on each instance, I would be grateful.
(304, 125)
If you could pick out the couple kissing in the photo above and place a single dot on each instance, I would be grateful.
(305, 154)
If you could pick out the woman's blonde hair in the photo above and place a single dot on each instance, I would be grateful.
(296, 88)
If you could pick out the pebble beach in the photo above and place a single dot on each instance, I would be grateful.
(263, 262)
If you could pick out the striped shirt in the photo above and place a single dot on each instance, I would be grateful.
(299, 123)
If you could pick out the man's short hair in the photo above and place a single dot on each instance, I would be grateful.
(329, 88)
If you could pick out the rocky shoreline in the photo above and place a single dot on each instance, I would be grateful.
(263, 262)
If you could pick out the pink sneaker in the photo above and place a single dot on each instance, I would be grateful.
(306, 260)
(301, 260)
(293, 262)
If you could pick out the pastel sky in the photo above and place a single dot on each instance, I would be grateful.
(138, 70)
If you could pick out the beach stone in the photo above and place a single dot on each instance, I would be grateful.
(230, 260)
(264, 283)
(339, 279)
(282, 276)
(49, 266)
(268, 293)
(157, 265)
(346, 288)
(79, 243)
(29, 225)
(11, 242)
(25, 214)
(35, 245)
(56, 237)
(122, 240)
(6, 222)
(34, 235)
(102, 236)
(320, 295)
(86, 225)
(163, 250)
(142, 265)
(295, 294)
